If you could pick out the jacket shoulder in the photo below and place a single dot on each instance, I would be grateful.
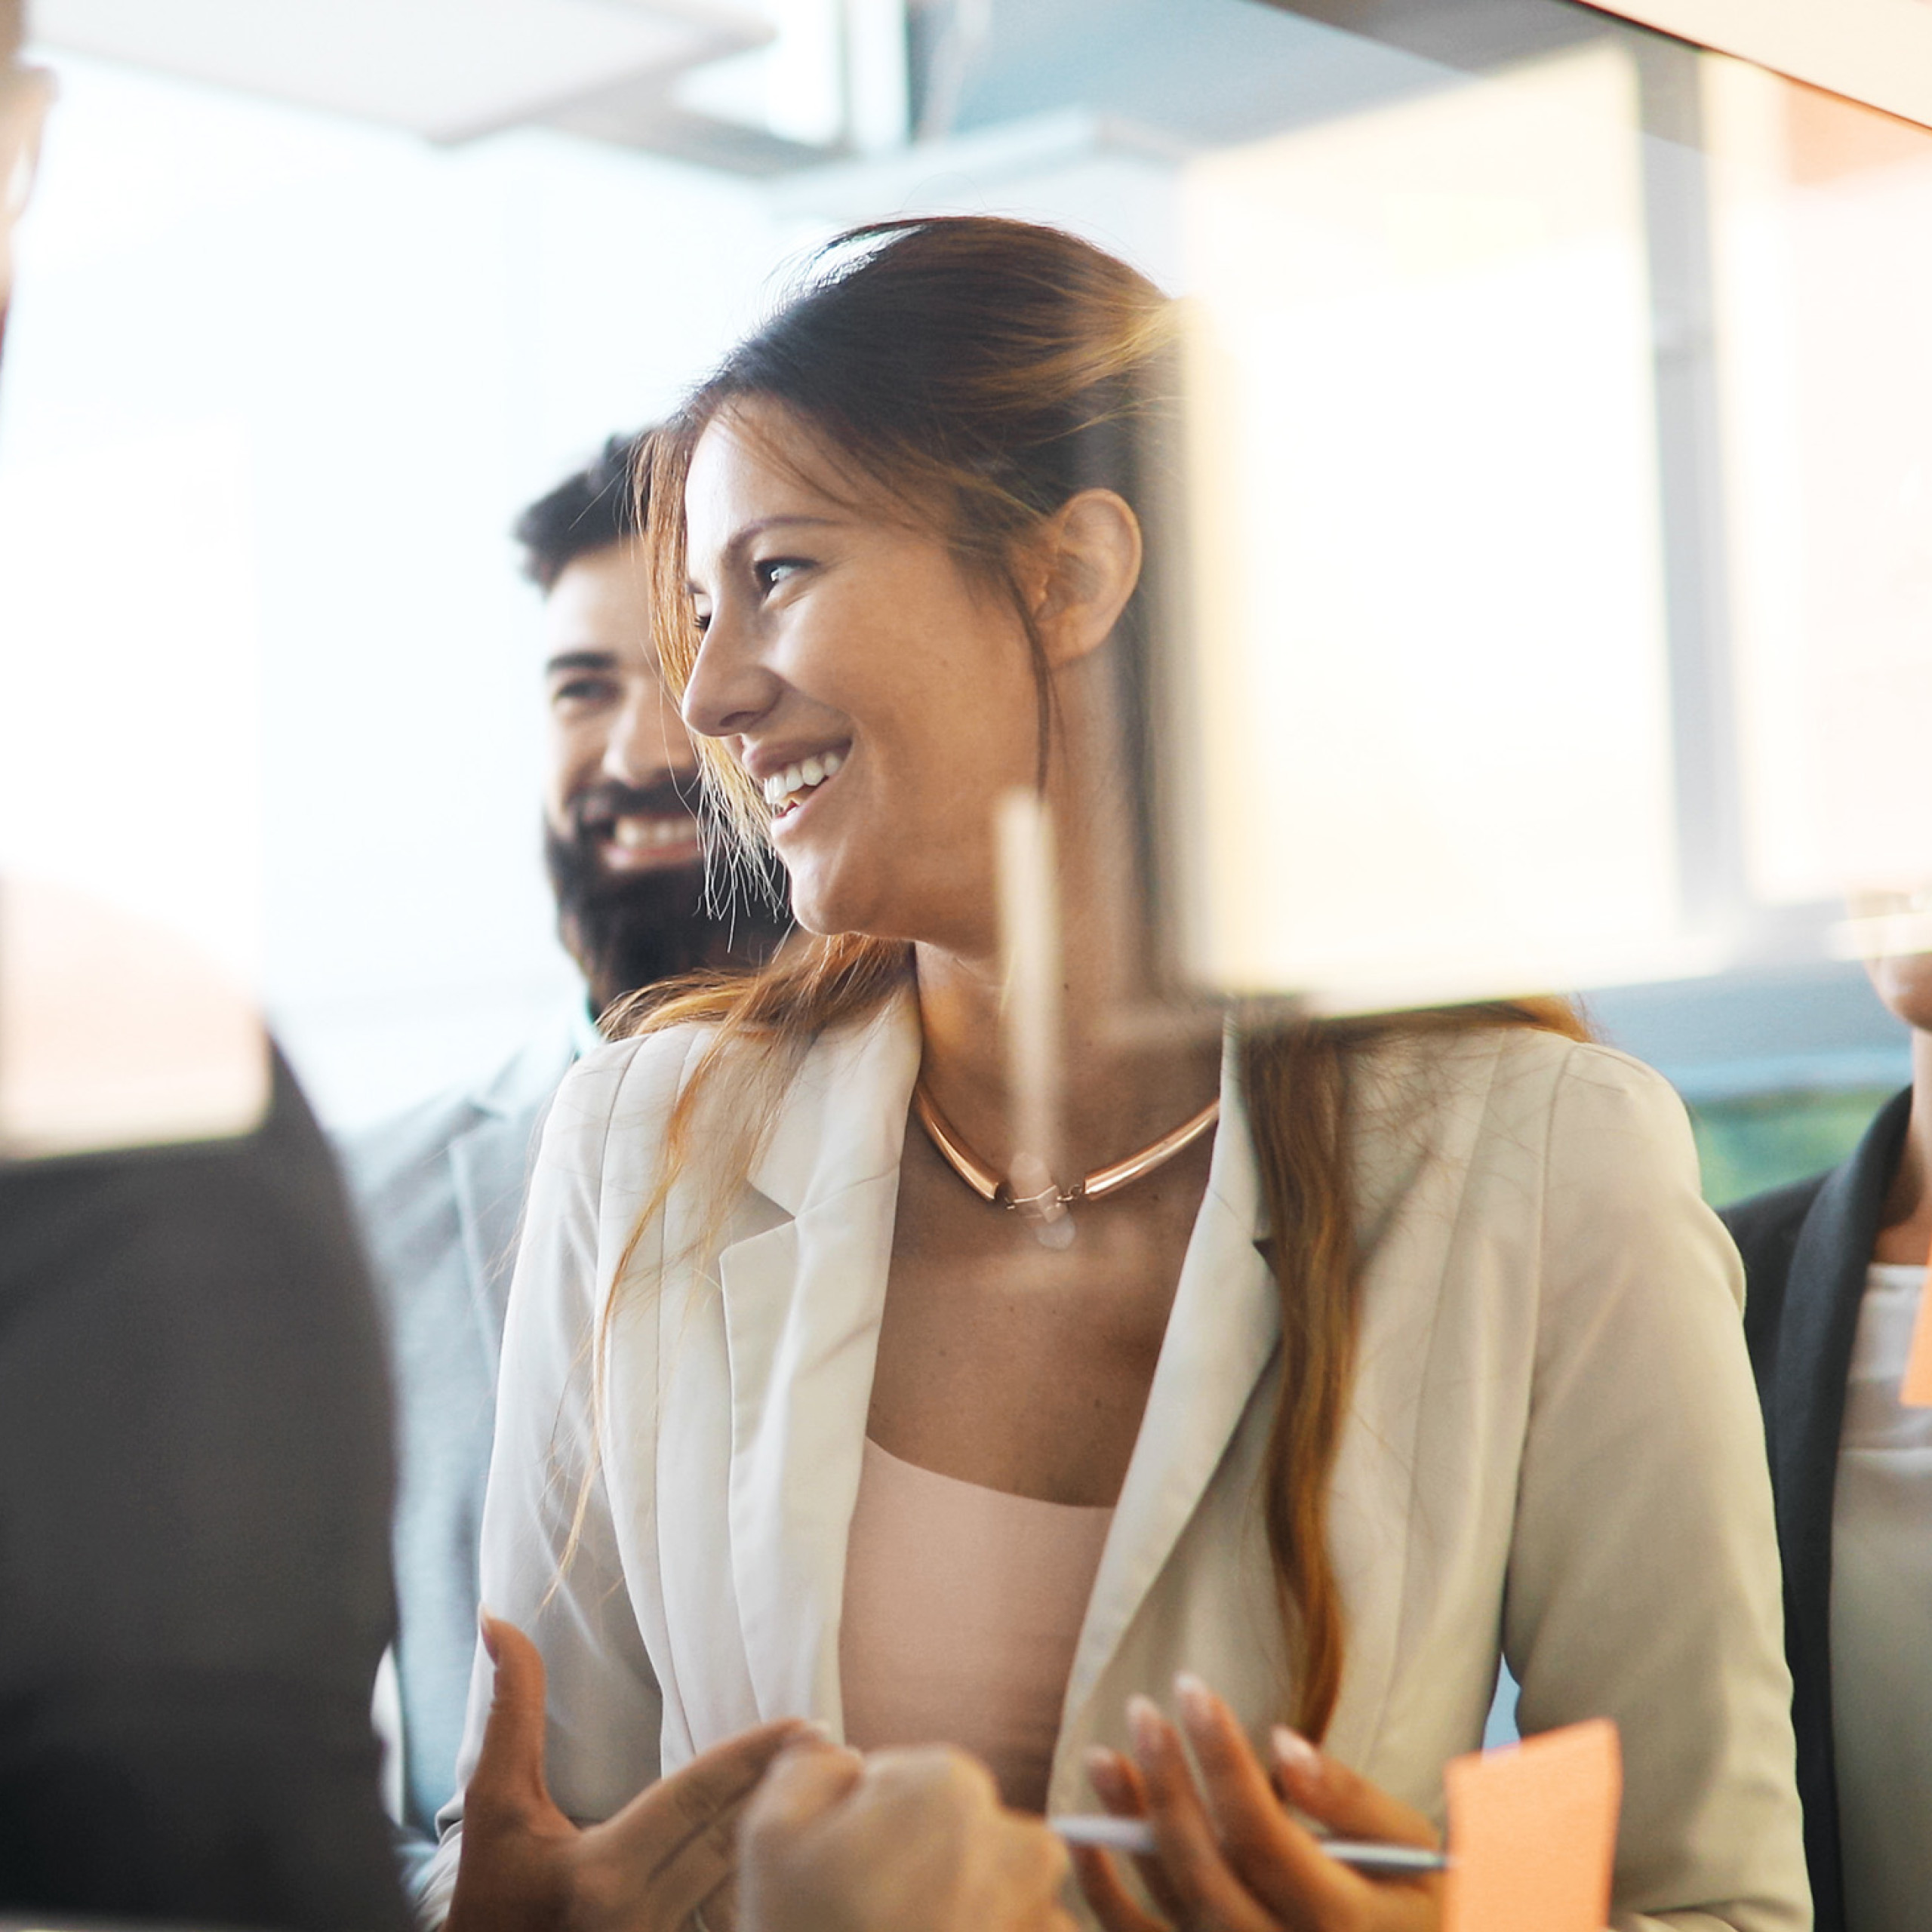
(623, 1091)
(1766, 1225)
(1534, 1088)
(1766, 1228)
(1581, 1129)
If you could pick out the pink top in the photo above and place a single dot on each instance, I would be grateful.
(963, 1608)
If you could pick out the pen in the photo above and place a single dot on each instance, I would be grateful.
(1137, 1836)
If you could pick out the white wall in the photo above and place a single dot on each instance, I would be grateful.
(275, 388)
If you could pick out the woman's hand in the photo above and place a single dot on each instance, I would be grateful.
(900, 1841)
(668, 1854)
(1231, 1858)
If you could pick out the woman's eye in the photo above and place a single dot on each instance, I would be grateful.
(700, 615)
(771, 572)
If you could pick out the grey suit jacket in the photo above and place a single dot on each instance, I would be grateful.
(439, 1191)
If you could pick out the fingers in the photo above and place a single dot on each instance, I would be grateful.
(1342, 1800)
(1279, 1863)
(917, 1842)
(926, 1842)
(930, 1778)
(702, 1866)
(1111, 1904)
(1033, 1868)
(806, 1780)
(1205, 1889)
(1117, 1782)
(679, 1839)
(510, 1766)
(661, 1820)
(719, 1912)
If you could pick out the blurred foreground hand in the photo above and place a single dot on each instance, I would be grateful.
(908, 1841)
(662, 1863)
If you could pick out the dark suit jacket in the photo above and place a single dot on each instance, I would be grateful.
(195, 1478)
(1806, 1248)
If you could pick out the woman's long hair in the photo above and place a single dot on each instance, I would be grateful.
(977, 373)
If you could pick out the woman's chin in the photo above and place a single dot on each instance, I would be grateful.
(824, 915)
(827, 915)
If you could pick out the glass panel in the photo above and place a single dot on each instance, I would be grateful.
(1562, 564)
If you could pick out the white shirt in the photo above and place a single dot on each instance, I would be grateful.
(1553, 1449)
(1881, 1620)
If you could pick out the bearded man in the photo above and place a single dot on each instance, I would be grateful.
(440, 1189)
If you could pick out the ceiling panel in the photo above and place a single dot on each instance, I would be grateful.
(447, 68)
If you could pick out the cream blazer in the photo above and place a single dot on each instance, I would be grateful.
(1553, 1454)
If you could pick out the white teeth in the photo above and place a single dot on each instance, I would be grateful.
(633, 834)
(781, 787)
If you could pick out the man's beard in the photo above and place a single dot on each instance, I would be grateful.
(633, 929)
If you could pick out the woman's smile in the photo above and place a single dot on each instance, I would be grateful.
(787, 792)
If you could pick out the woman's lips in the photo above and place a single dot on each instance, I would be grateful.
(787, 792)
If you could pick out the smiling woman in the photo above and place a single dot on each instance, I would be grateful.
(806, 596)
(1428, 1355)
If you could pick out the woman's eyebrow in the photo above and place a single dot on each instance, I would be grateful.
(741, 539)
(751, 531)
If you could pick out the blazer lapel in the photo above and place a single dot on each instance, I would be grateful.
(802, 1301)
(1222, 1333)
(1815, 1337)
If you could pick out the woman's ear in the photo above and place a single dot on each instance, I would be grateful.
(1085, 565)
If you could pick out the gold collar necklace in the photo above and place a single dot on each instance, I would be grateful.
(1052, 1201)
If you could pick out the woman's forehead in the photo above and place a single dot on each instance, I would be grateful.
(754, 443)
(757, 459)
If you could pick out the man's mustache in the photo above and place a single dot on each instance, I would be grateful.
(596, 808)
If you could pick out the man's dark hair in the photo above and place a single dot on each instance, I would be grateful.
(592, 510)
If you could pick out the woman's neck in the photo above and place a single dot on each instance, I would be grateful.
(1125, 1075)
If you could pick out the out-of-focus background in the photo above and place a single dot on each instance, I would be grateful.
(1580, 398)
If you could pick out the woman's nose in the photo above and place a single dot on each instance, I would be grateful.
(729, 689)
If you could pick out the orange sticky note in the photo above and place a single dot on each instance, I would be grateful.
(1533, 1833)
(1916, 1390)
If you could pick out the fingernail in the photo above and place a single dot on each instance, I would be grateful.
(484, 1621)
(1103, 1771)
(1149, 1728)
(1196, 1701)
(817, 1728)
(1295, 1754)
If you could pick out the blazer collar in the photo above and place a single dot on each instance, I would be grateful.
(803, 1298)
(842, 1118)
(803, 1301)
(1221, 1333)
